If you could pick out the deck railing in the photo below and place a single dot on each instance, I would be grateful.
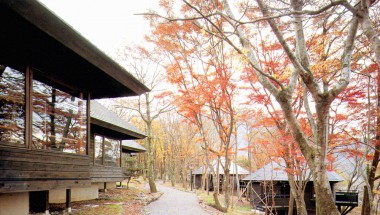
(280, 200)
(349, 198)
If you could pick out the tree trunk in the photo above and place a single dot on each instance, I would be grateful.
(152, 184)
(325, 203)
(184, 177)
(291, 204)
(165, 157)
(216, 178)
(226, 183)
(370, 32)
(208, 183)
(366, 207)
(297, 194)
(150, 172)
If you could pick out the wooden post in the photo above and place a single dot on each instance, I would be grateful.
(47, 202)
(68, 200)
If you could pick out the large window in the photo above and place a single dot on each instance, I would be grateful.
(12, 106)
(107, 151)
(59, 120)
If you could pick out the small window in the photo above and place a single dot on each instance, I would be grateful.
(12, 106)
(59, 120)
(98, 150)
(112, 151)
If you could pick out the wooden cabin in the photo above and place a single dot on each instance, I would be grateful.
(108, 135)
(270, 190)
(201, 173)
(110, 143)
(49, 140)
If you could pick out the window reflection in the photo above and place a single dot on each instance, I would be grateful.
(98, 150)
(12, 106)
(112, 151)
(59, 120)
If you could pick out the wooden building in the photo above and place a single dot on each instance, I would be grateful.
(270, 190)
(201, 173)
(107, 131)
(51, 144)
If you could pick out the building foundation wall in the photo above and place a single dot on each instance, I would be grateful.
(14, 203)
(77, 194)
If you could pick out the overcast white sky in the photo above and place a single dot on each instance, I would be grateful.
(108, 24)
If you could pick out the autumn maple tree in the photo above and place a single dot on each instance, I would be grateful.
(286, 22)
(202, 71)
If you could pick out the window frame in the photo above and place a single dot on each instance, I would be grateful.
(27, 112)
(103, 151)
(93, 154)
(28, 131)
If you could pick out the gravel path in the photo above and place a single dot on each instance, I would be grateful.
(174, 202)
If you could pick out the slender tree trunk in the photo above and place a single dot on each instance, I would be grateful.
(150, 172)
(366, 207)
(165, 157)
(152, 184)
(297, 194)
(226, 185)
(368, 200)
(216, 179)
(208, 183)
(371, 34)
(184, 176)
(236, 165)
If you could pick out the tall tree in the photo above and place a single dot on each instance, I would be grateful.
(294, 43)
(146, 68)
(181, 152)
(206, 88)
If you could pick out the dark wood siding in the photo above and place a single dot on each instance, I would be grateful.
(32, 170)
(106, 174)
(99, 173)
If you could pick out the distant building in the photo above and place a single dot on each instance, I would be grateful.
(132, 147)
(200, 174)
(271, 190)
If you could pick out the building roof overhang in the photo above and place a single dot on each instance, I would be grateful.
(33, 35)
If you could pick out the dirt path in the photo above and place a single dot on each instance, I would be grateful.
(174, 202)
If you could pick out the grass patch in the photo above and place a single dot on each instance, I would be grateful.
(244, 208)
(101, 210)
(207, 199)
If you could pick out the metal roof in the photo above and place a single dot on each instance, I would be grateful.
(108, 119)
(274, 171)
(240, 170)
(132, 146)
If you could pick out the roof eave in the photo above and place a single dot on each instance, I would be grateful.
(48, 22)
(135, 150)
(113, 127)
